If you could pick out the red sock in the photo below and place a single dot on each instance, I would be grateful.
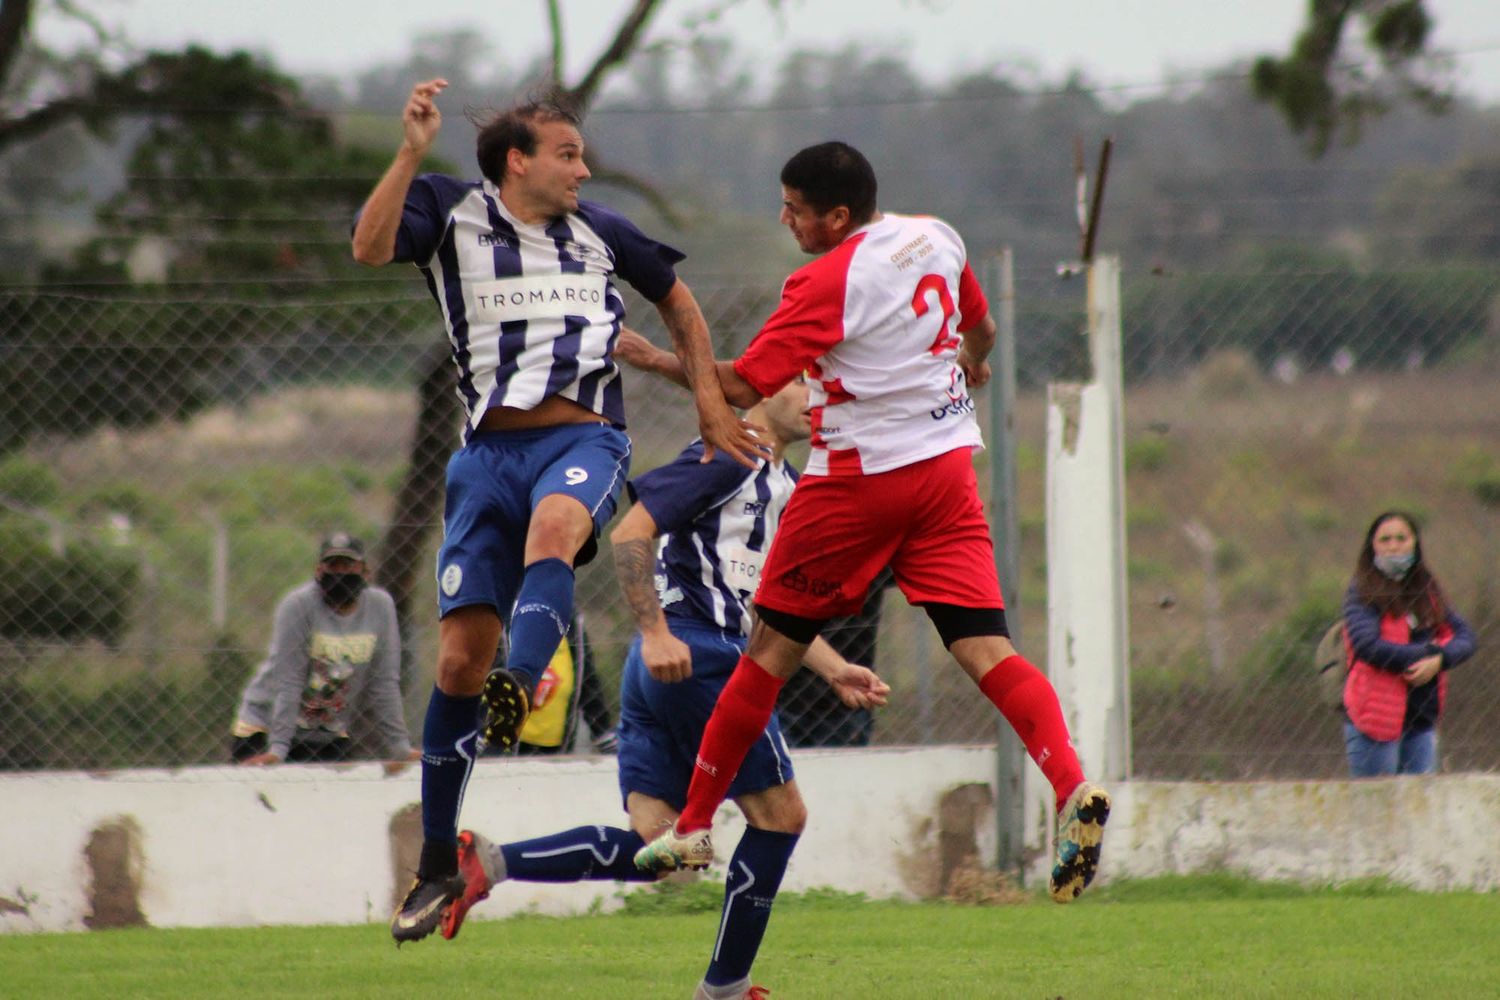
(739, 718)
(1026, 698)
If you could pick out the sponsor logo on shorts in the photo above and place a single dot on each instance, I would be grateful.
(453, 578)
(804, 584)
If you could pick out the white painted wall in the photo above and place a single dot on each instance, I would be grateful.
(311, 844)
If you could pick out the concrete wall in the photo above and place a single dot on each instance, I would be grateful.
(315, 844)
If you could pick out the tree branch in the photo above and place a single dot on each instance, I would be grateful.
(619, 50)
(15, 16)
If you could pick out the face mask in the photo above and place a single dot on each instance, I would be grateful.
(340, 589)
(1396, 566)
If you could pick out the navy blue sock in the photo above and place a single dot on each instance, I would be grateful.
(543, 609)
(584, 853)
(755, 874)
(448, 750)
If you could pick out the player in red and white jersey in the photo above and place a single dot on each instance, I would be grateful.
(895, 330)
(875, 322)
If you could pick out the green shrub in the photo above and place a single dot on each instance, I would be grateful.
(1284, 651)
(28, 481)
(1147, 454)
(85, 593)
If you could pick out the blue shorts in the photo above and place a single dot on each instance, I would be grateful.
(495, 482)
(661, 725)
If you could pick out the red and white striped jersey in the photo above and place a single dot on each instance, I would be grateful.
(875, 323)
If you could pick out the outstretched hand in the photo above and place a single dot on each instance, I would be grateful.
(860, 687)
(741, 440)
(421, 117)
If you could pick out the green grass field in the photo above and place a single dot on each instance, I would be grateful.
(1192, 937)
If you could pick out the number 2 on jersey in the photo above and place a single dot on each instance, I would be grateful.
(934, 283)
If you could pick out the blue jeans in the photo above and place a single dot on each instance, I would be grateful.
(1414, 753)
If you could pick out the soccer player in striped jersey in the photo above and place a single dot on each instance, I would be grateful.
(524, 275)
(690, 596)
(895, 331)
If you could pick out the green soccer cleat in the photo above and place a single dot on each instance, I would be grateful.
(424, 906)
(672, 851)
(1080, 829)
(506, 706)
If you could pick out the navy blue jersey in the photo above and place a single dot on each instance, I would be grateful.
(532, 311)
(716, 522)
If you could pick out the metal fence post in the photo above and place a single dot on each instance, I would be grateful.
(1010, 759)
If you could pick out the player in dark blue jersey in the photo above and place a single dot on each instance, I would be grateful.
(690, 596)
(524, 275)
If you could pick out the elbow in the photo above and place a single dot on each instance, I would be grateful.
(741, 396)
(371, 256)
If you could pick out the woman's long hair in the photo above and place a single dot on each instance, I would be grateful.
(1417, 593)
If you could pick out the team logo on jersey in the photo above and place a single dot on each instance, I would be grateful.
(453, 578)
(580, 252)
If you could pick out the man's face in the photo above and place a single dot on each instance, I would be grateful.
(549, 180)
(787, 414)
(814, 231)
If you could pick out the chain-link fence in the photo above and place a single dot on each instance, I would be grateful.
(168, 467)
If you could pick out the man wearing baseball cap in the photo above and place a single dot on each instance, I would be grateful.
(335, 653)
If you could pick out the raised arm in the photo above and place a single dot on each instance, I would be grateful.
(374, 240)
(633, 540)
(717, 423)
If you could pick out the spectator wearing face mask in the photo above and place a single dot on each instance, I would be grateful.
(1401, 637)
(335, 653)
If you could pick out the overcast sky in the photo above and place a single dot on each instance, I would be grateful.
(1118, 43)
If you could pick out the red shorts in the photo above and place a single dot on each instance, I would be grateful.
(925, 520)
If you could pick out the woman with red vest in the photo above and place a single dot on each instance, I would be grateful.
(1401, 638)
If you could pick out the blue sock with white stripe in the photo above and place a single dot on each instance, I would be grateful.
(584, 853)
(539, 620)
(755, 874)
(448, 737)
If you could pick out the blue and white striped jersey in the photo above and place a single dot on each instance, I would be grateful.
(532, 311)
(716, 522)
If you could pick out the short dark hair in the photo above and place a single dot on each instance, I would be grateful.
(515, 128)
(831, 174)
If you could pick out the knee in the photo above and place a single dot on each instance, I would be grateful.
(788, 816)
(557, 534)
(796, 820)
(459, 673)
